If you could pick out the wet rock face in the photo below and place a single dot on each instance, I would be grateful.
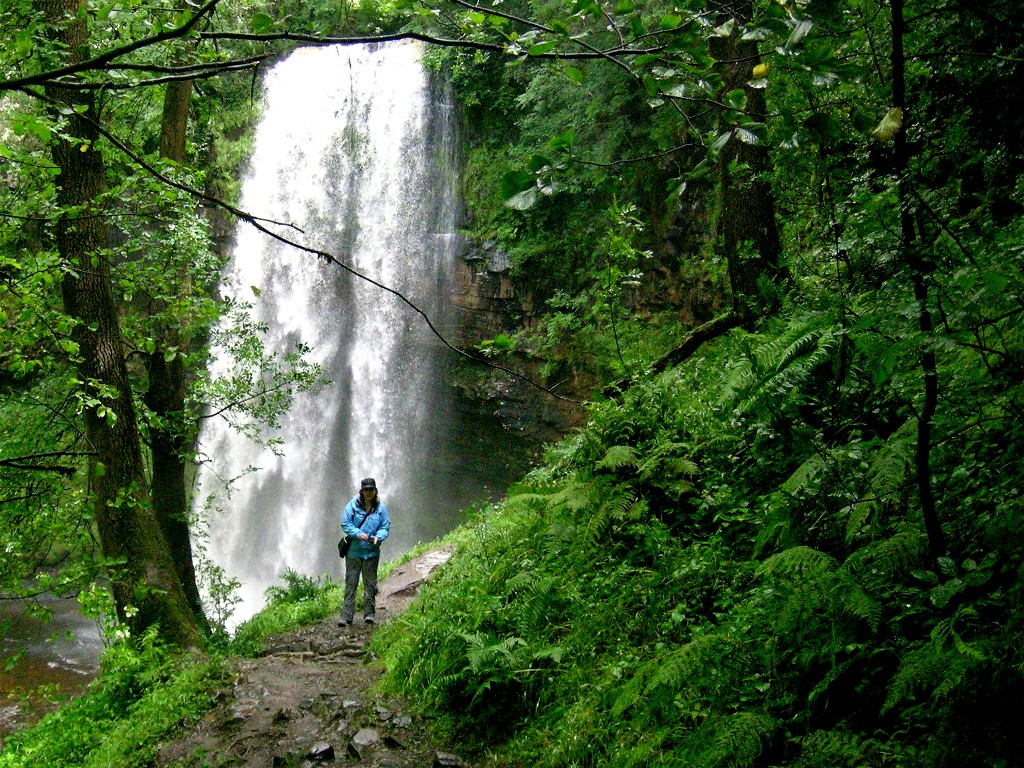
(488, 302)
(485, 300)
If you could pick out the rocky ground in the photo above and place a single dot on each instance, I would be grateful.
(311, 700)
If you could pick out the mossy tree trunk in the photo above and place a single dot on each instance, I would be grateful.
(145, 584)
(747, 233)
(171, 434)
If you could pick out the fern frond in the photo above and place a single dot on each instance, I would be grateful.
(575, 496)
(733, 741)
(897, 554)
(782, 362)
(928, 667)
(617, 457)
(840, 748)
(798, 562)
(887, 476)
(618, 500)
(802, 475)
(856, 602)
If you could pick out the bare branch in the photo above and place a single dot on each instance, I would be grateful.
(101, 62)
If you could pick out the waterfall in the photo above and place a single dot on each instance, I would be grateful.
(356, 150)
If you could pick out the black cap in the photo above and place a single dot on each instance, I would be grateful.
(367, 484)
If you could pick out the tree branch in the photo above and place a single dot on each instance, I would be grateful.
(101, 62)
(258, 224)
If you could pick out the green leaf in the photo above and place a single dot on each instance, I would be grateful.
(542, 48)
(562, 141)
(574, 74)
(799, 32)
(724, 30)
(994, 282)
(624, 6)
(889, 126)
(736, 99)
(719, 144)
(261, 23)
(514, 182)
(539, 163)
(751, 133)
(758, 34)
(671, 21)
(524, 200)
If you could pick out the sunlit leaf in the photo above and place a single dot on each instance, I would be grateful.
(803, 26)
(889, 127)
(524, 200)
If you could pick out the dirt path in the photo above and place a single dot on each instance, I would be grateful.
(310, 700)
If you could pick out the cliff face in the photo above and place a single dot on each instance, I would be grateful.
(485, 299)
(487, 303)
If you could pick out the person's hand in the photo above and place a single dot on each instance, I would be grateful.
(363, 536)
(375, 541)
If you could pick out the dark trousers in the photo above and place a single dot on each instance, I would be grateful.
(354, 568)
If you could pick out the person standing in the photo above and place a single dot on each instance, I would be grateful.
(366, 523)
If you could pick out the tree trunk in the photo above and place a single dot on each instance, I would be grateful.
(920, 268)
(171, 436)
(145, 585)
(747, 232)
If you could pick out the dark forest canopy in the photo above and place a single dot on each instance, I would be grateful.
(778, 246)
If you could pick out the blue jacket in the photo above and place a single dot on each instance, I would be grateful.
(377, 523)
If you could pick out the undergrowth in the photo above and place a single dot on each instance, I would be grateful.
(726, 567)
(143, 693)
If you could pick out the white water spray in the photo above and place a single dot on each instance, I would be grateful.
(356, 150)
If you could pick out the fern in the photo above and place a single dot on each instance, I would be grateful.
(886, 478)
(889, 557)
(576, 496)
(781, 363)
(617, 457)
(833, 749)
(798, 562)
(731, 741)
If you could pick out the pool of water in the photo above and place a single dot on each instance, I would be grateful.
(43, 662)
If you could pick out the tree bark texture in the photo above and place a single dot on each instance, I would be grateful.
(920, 268)
(747, 203)
(146, 587)
(171, 435)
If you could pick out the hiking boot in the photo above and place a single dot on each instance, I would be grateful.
(344, 622)
(369, 619)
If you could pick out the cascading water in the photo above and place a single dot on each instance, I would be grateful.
(357, 150)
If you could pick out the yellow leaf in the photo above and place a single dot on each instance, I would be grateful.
(761, 70)
(889, 126)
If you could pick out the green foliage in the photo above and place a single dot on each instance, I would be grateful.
(142, 694)
(730, 563)
(724, 567)
(300, 600)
